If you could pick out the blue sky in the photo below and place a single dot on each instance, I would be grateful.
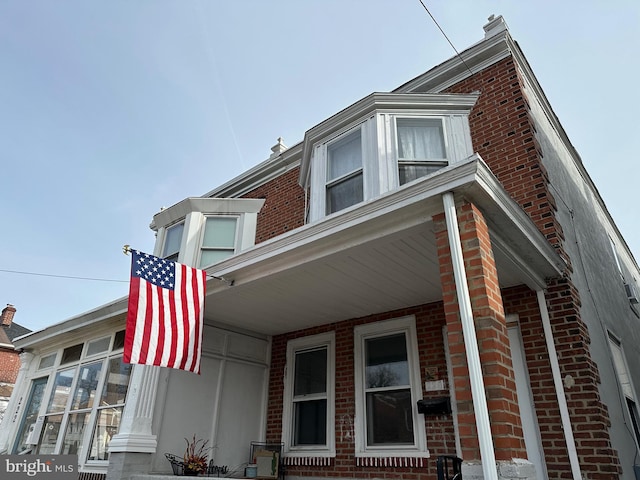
(110, 110)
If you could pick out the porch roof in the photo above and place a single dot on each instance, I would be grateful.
(376, 256)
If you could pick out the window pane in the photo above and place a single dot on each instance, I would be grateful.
(48, 361)
(310, 372)
(107, 426)
(117, 382)
(86, 386)
(72, 442)
(413, 171)
(61, 391)
(31, 413)
(344, 194)
(118, 341)
(172, 240)
(98, 346)
(310, 423)
(389, 418)
(386, 361)
(71, 354)
(50, 432)
(420, 138)
(344, 156)
(220, 232)
(209, 257)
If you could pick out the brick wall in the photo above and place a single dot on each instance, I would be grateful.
(440, 432)
(9, 365)
(492, 337)
(283, 209)
(503, 133)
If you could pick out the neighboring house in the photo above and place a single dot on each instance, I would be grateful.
(9, 356)
(437, 246)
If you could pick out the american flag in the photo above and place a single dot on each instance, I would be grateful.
(165, 313)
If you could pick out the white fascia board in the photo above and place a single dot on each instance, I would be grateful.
(441, 103)
(206, 206)
(457, 68)
(107, 311)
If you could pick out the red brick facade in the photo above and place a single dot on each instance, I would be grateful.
(503, 133)
(430, 321)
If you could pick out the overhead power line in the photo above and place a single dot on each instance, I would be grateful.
(63, 276)
(445, 36)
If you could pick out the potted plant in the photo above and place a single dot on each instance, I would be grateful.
(195, 456)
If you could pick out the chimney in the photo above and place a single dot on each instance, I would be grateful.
(7, 315)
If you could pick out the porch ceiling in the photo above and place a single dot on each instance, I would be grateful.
(375, 257)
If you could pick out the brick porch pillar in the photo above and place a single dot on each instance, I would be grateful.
(492, 337)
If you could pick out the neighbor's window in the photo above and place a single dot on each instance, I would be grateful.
(620, 365)
(309, 396)
(387, 390)
(172, 240)
(421, 148)
(219, 239)
(85, 403)
(344, 172)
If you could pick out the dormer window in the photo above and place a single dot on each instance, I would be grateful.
(381, 143)
(172, 240)
(344, 172)
(421, 147)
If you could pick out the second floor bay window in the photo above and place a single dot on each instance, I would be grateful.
(201, 231)
(381, 143)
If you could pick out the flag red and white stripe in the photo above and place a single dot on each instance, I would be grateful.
(165, 313)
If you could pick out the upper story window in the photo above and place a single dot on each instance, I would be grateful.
(204, 231)
(344, 172)
(219, 239)
(381, 143)
(421, 147)
(172, 240)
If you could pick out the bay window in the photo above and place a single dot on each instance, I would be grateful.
(388, 386)
(381, 143)
(308, 410)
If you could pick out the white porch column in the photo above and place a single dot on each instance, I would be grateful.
(12, 415)
(557, 382)
(135, 428)
(485, 439)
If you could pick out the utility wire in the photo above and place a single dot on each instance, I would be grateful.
(445, 36)
(64, 276)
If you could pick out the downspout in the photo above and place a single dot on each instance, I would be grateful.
(485, 439)
(557, 382)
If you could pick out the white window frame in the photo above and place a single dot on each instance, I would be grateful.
(293, 347)
(234, 249)
(437, 162)
(407, 326)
